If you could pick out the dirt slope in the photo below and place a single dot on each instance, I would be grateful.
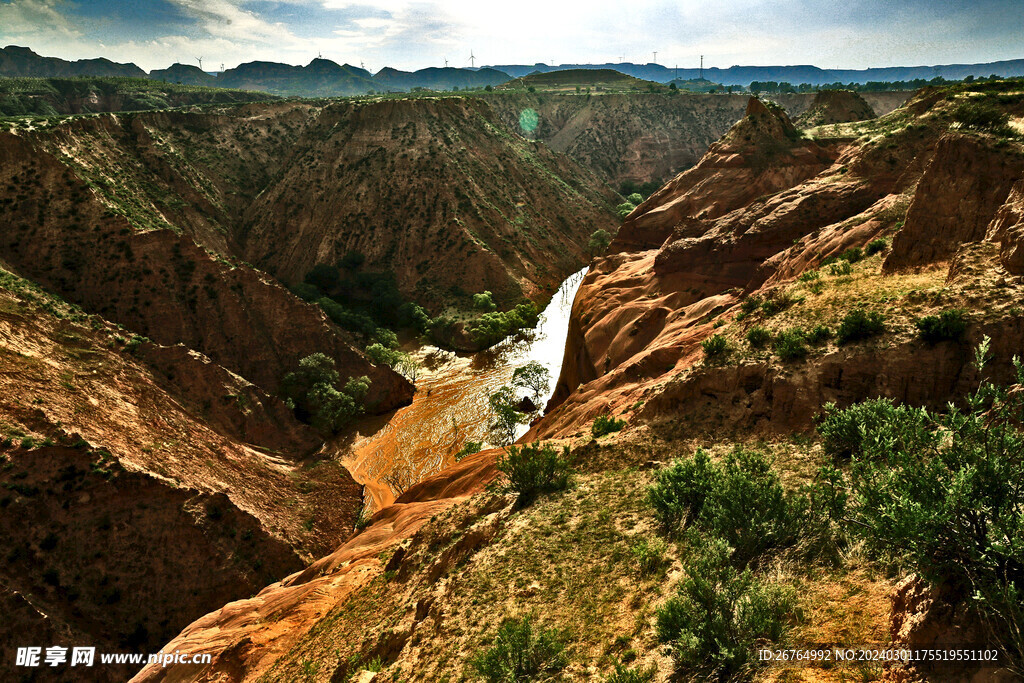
(143, 485)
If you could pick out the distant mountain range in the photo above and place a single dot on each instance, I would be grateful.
(745, 75)
(21, 61)
(324, 78)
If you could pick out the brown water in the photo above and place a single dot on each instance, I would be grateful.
(450, 406)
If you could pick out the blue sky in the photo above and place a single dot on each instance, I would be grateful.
(419, 33)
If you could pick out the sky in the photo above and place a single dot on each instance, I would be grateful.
(415, 34)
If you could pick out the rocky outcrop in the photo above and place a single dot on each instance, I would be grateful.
(963, 188)
(761, 208)
(762, 154)
(1007, 229)
(836, 106)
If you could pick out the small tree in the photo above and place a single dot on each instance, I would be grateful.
(312, 392)
(506, 416)
(532, 376)
(599, 241)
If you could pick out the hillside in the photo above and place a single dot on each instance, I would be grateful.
(85, 95)
(640, 562)
(575, 79)
(22, 62)
(639, 137)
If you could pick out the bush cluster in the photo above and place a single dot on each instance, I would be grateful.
(948, 325)
(720, 614)
(789, 344)
(360, 301)
(758, 336)
(521, 652)
(939, 494)
(731, 514)
(312, 392)
(876, 246)
(533, 469)
(715, 347)
(858, 324)
(606, 424)
(491, 328)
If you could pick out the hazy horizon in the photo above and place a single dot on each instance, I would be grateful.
(412, 35)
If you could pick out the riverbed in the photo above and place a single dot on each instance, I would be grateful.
(390, 453)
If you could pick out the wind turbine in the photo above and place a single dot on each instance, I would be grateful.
(200, 59)
(446, 62)
(472, 60)
(655, 56)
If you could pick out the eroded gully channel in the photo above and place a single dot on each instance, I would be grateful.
(390, 453)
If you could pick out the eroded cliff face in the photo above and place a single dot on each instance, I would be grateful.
(143, 485)
(434, 190)
(641, 137)
(763, 207)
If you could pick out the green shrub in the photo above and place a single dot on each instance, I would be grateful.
(606, 424)
(939, 493)
(715, 347)
(844, 431)
(859, 324)
(469, 448)
(624, 209)
(981, 116)
(636, 199)
(491, 328)
(352, 260)
(778, 302)
(599, 241)
(789, 345)
(521, 653)
(876, 246)
(622, 674)
(306, 291)
(484, 301)
(739, 500)
(809, 276)
(819, 335)
(649, 556)
(852, 255)
(948, 325)
(347, 319)
(758, 337)
(840, 268)
(720, 615)
(750, 304)
(533, 469)
(324, 277)
(312, 392)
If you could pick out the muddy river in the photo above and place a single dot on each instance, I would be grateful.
(392, 452)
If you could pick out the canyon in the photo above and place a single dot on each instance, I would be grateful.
(147, 326)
